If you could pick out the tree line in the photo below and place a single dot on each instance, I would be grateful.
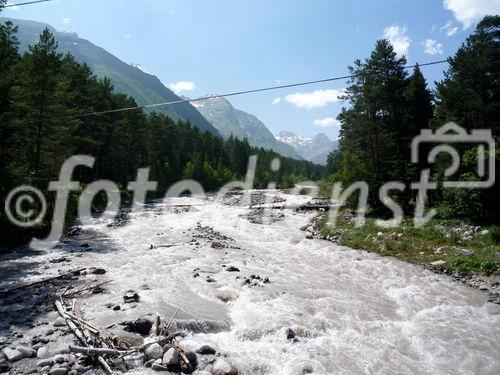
(388, 107)
(39, 92)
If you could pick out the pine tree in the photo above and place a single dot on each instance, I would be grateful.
(373, 128)
(38, 96)
(470, 96)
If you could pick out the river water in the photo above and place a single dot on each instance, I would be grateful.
(353, 312)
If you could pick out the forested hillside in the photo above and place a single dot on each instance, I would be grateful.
(41, 88)
(388, 107)
(127, 79)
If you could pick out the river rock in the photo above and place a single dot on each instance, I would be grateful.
(170, 358)
(26, 352)
(61, 358)
(223, 367)
(12, 355)
(157, 366)
(60, 322)
(438, 263)
(206, 350)
(232, 269)
(142, 326)
(45, 362)
(131, 296)
(227, 295)
(97, 271)
(43, 353)
(290, 334)
(58, 371)
(307, 369)
(154, 351)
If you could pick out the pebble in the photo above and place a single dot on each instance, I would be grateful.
(154, 351)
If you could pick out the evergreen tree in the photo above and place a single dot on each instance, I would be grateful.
(372, 129)
(470, 95)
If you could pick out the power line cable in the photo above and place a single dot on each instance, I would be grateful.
(25, 3)
(243, 92)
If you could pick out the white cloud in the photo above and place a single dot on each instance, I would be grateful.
(449, 28)
(318, 98)
(398, 38)
(128, 36)
(470, 11)
(432, 47)
(326, 122)
(178, 87)
(276, 101)
(66, 20)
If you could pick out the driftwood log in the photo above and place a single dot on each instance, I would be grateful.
(80, 335)
(47, 279)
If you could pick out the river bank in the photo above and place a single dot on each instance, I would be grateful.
(255, 288)
(468, 254)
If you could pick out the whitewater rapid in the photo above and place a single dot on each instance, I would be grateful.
(353, 312)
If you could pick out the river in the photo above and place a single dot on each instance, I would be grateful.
(353, 312)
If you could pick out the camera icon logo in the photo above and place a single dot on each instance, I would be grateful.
(450, 134)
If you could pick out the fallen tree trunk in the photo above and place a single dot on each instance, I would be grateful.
(93, 351)
(27, 285)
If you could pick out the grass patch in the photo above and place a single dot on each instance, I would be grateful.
(463, 248)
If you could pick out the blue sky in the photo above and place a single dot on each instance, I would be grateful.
(228, 45)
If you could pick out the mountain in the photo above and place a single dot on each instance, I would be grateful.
(128, 79)
(314, 149)
(231, 121)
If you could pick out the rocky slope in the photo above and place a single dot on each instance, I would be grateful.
(314, 149)
(231, 121)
